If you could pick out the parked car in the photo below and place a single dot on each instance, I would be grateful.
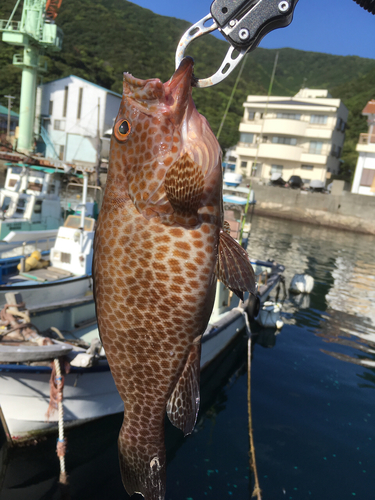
(317, 186)
(295, 182)
(277, 180)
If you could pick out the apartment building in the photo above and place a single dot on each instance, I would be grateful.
(301, 135)
(364, 177)
(72, 112)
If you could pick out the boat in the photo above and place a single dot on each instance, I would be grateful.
(89, 389)
(34, 203)
(30, 201)
(232, 178)
(68, 276)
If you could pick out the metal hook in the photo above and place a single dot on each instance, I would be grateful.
(227, 66)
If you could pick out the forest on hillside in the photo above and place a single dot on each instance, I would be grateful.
(104, 38)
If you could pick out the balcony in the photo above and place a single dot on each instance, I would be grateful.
(366, 143)
(280, 152)
(282, 126)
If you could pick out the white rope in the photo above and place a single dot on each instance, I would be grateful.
(60, 408)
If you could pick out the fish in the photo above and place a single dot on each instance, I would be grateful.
(160, 245)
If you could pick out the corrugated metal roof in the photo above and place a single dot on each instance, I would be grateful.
(369, 109)
(4, 111)
(86, 81)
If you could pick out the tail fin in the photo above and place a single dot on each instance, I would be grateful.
(143, 467)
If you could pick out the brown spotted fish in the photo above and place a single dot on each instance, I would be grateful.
(159, 248)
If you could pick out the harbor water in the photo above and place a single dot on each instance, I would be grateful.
(312, 386)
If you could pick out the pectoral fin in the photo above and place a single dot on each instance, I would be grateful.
(184, 185)
(183, 405)
(233, 267)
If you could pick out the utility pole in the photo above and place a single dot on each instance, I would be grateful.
(99, 147)
(9, 97)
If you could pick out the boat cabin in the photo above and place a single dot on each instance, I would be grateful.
(73, 249)
(29, 200)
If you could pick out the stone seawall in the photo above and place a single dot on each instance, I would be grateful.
(348, 211)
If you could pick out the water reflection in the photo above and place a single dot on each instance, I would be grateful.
(341, 308)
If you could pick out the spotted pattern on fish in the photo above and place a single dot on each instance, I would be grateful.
(156, 250)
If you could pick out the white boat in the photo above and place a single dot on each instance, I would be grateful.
(232, 178)
(30, 201)
(33, 205)
(68, 276)
(89, 390)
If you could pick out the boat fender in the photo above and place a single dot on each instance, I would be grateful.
(301, 283)
(252, 306)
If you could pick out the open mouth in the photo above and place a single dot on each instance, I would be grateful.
(178, 88)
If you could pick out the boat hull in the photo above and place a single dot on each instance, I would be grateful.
(48, 292)
(88, 394)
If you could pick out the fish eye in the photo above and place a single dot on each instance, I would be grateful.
(122, 130)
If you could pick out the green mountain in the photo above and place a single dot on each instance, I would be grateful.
(104, 38)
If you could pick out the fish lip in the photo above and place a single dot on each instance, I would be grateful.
(182, 76)
(178, 88)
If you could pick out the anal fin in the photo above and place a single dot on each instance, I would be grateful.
(233, 267)
(183, 405)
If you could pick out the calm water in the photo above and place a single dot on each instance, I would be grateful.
(313, 388)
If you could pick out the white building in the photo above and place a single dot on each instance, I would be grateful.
(72, 112)
(364, 177)
(301, 135)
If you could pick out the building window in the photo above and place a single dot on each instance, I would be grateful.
(291, 141)
(59, 125)
(38, 207)
(247, 138)
(50, 108)
(243, 164)
(79, 109)
(61, 152)
(307, 167)
(315, 147)
(276, 169)
(65, 107)
(318, 119)
(340, 125)
(367, 178)
(289, 116)
(251, 115)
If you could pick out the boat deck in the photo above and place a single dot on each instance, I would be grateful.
(49, 273)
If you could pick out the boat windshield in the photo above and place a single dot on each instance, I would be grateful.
(5, 205)
(74, 221)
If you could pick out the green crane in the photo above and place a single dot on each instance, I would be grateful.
(36, 32)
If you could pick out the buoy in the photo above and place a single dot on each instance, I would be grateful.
(301, 283)
(269, 315)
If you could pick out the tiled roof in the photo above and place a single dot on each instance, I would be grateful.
(369, 108)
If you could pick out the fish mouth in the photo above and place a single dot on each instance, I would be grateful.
(178, 88)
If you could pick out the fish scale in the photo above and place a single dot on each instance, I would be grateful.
(156, 251)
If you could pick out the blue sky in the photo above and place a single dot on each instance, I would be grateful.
(338, 27)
